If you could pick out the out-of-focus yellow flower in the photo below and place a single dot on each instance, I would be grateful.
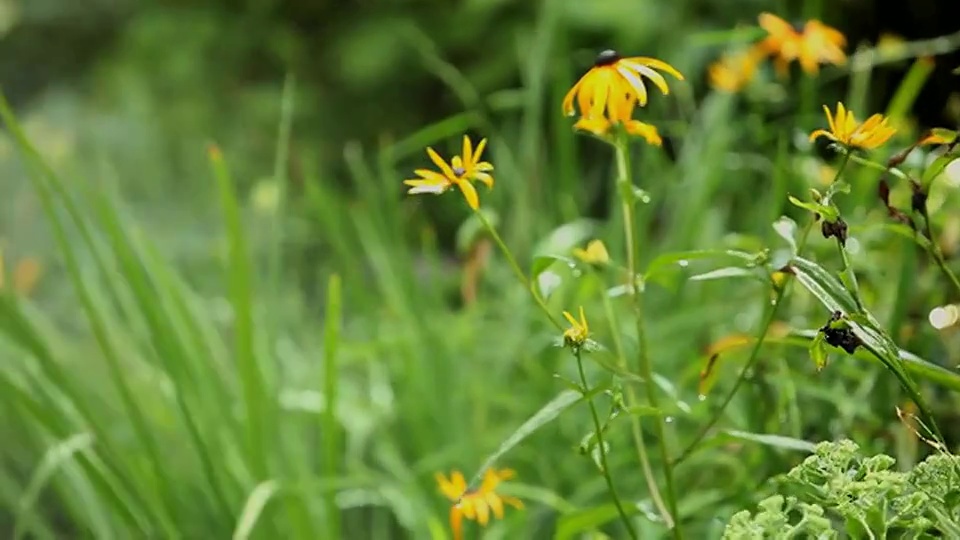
(816, 44)
(596, 253)
(579, 331)
(614, 82)
(460, 172)
(733, 71)
(475, 504)
(845, 130)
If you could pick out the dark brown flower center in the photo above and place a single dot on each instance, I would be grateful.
(606, 58)
(459, 171)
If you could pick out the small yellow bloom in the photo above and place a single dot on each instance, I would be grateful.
(733, 71)
(596, 253)
(579, 331)
(816, 44)
(475, 504)
(845, 130)
(614, 82)
(460, 172)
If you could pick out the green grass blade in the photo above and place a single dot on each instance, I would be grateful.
(330, 430)
(240, 281)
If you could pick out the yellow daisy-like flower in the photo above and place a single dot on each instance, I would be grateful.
(845, 130)
(733, 71)
(579, 331)
(596, 253)
(476, 504)
(613, 82)
(460, 172)
(816, 44)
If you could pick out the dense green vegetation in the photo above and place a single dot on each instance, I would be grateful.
(220, 315)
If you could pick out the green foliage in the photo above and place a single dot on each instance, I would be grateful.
(839, 491)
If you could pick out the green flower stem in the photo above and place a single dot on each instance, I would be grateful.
(625, 184)
(603, 450)
(755, 351)
(516, 268)
(631, 399)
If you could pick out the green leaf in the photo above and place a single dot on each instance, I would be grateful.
(818, 351)
(643, 410)
(938, 166)
(823, 285)
(253, 508)
(786, 228)
(670, 261)
(548, 413)
(726, 272)
(574, 524)
(775, 441)
(828, 213)
(566, 237)
(542, 262)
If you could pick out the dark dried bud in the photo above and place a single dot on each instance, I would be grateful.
(836, 229)
(918, 201)
(842, 337)
(897, 159)
(883, 191)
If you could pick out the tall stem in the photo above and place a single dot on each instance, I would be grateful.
(755, 351)
(603, 450)
(516, 268)
(625, 185)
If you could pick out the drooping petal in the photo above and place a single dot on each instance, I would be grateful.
(496, 505)
(634, 80)
(449, 488)
(456, 522)
(822, 133)
(483, 512)
(597, 126)
(485, 178)
(655, 64)
(470, 194)
(774, 25)
(647, 131)
(567, 107)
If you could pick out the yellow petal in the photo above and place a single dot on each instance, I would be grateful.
(833, 126)
(656, 64)
(821, 133)
(628, 72)
(496, 505)
(456, 523)
(467, 151)
(583, 321)
(440, 163)
(479, 152)
(470, 194)
(485, 178)
(588, 88)
(573, 322)
(513, 501)
(483, 512)
(450, 488)
(567, 101)
(648, 132)
(598, 126)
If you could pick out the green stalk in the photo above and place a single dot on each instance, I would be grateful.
(755, 351)
(603, 451)
(625, 184)
(631, 399)
(516, 268)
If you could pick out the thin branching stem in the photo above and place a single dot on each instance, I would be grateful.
(601, 448)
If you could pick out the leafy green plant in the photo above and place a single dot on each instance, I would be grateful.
(839, 492)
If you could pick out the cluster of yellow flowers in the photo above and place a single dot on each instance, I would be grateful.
(606, 98)
(814, 44)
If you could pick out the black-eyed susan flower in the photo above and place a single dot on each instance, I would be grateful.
(576, 336)
(601, 126)
(460, 172)
(816, 44)
(595, 253)
(845, 130)
(733, 71)
(614, 81)
(476, 504)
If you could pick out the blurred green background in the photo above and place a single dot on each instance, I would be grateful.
(321, 110)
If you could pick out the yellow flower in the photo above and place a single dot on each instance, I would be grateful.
(816, 44)
(459, 172)
(579, 331)
(733, 71)
(845, 130)
(596, 253)
(475, 504)
(614, 82)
